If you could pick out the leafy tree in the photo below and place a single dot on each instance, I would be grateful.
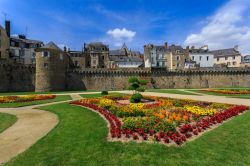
(137, 85)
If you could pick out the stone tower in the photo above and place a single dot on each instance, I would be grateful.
(51, 66)
(147, 55)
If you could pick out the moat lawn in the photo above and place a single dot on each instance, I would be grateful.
(22, 104)
(80, 139)
(56, 92)
(246, 96)
(171, 91)
(6, 120)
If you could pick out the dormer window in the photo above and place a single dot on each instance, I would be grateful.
(177, 51)
(46, 54)
(61, 56)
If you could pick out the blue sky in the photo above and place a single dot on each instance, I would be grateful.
(218, 23)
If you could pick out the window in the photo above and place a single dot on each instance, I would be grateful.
(12, 44)
(61, 56)
(200, 58)
(0, 54)
(233, 57)
(33, 54)
(177, 64)
(0, 42)
(177, 51)
(192, 57)
(21, 52)
(46, 65)
(218, 59)
(234, 63)
(207, 58)
(177, 58)
(94, 62)
(76, 63)
(226, 58)
(46, 54)
(228, 63)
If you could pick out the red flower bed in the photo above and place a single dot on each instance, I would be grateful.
(182, 133)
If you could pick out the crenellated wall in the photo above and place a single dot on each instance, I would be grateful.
(16, 77)
(118, 79)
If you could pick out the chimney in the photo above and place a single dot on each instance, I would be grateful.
(166, 45)
(7, 27)
(236, 48)
(193, 47)
(65, 49)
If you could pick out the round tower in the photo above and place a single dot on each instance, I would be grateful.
(51, 67)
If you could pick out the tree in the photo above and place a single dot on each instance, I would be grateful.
(137, 85)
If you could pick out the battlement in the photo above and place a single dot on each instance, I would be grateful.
(13, 65)
(159, 71)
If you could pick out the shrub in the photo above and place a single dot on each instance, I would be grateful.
(104, 92)
(136, 98)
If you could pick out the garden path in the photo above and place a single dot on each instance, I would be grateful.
(32, 124)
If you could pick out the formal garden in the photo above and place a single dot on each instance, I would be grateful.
(114, 128)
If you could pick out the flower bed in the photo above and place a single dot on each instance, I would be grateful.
(229, 91)
(25, 98)
(167, 121)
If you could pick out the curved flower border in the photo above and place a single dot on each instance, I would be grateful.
(179, 137)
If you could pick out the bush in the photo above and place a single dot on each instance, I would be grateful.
(136, 98)
(104, 92)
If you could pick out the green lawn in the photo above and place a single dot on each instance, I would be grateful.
(22, 104)
(6, 120)
(80, 139)
(219, 94)
(95, 95)
(171, 91)
(31, 93)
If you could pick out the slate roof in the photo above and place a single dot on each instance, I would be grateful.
(125, 59)
(117, 52)
(225, 52)
(196, 51)
(30, 41)
(51, 45)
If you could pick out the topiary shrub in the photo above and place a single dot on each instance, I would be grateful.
(104, 92)
(136, 98)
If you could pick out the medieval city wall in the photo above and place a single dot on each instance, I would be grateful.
(16, 78)
(118, 79)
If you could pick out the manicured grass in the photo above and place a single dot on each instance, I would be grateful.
(171, 91)
(22, 104)
(219, 94)
(80, 139)
(30, 93)
(95, 95)
(6, 120)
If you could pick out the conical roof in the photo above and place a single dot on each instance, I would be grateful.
(52, 45)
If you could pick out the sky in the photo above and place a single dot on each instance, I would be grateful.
(216, 23)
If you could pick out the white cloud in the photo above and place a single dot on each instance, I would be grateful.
(229, 26)
(121, 34)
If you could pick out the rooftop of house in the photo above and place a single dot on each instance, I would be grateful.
(52, 45)
(22, 38)
(125, 59)
(226, 52)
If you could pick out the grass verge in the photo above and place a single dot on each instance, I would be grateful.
(6, 120)
(171, 91)
(22, 104)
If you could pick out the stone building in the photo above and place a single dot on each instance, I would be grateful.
(5, 41)
(202, 56)
(245, 62)
(170, 57)
(125, 58)
(51, 66)
(22, 50)
(77, 58)
(97, 55)
(230, 57)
